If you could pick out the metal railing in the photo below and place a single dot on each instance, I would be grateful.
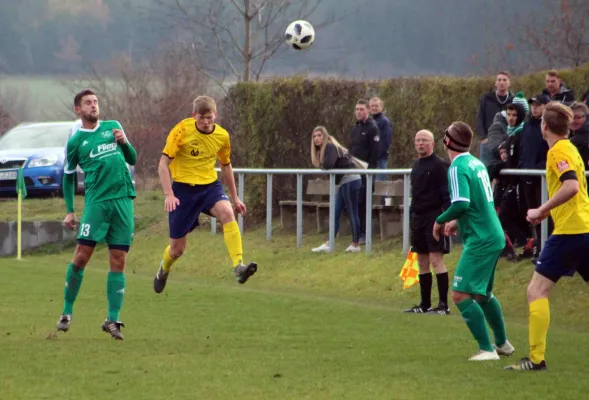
(241, 172)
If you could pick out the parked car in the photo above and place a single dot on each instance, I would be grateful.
(39, 148)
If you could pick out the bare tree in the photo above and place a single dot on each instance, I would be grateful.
(148, 99)
(239, 36)
(562, 35)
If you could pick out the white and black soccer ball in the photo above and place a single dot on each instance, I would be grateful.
(300, 35)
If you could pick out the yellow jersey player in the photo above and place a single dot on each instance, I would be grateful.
(567, 249)
(192, 149)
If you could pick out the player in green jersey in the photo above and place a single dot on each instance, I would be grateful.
(472, 212)
(102, 151)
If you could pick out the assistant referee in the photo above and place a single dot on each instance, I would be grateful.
(429, 197)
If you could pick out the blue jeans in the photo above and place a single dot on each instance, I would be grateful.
(347, 197)
(382, 164)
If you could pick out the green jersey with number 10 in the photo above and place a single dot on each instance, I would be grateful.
(479, 226)
(107, 176)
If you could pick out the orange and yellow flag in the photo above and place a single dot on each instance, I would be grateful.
(410, 272)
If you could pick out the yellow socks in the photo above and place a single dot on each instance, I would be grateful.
(539, 322)
(168, 261)
(232, 238)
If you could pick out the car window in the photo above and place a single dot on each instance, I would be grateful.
(35, 137)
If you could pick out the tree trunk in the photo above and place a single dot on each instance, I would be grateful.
(247, 47)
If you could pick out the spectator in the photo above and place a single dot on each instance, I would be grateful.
(556, 89)
(429, 198)
(386, 135)
(533, 150)
(580, 130)
(585, 98)
(497, 135)
(365, 146)
(327, 153)
(500, 184)
(511, 214)
(492, 103)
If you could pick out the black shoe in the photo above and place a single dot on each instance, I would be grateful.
(416, 310)
(525, 364)
(243, 272)
(514, 258)
(160, 280)
(441, 309)
(113, 328)
(64, 323)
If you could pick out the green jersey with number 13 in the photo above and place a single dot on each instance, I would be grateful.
(479, 226)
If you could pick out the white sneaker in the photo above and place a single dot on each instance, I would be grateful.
(482, 355)
(353, 249)
(323, 248)
(506, 350)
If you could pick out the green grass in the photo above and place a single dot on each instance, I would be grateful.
(307, 326)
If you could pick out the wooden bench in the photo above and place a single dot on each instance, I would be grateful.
(318, 196)
(387, 219)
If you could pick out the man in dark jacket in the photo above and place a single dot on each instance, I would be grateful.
(580, 130)
(492, 103)
(533, 150)
(364, 145)
(386, 135)
(556, 89)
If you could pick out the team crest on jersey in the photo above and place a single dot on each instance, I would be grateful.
(106, 134)
(563, 165)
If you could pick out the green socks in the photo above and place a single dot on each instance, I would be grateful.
(115, 291)
(475, 320)
(73, 282)
(494, 316)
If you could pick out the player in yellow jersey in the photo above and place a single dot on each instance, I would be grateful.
(192, 150)
(567, 249)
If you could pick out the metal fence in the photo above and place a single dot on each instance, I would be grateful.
(405, 173)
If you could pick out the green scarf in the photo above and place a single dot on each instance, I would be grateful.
(514, 130)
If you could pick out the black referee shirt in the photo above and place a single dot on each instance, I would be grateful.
(429, 185)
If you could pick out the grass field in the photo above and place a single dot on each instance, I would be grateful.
(307, 326)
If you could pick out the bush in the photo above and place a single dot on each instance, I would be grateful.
(271, 121)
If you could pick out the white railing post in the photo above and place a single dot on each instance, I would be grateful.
(299, 211)
(269, 207)
(368, 213)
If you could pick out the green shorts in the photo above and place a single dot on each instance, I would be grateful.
(476, 271)
(110, 221)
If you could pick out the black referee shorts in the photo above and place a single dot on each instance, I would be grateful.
(422, 238)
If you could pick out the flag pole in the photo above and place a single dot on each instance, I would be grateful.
(19, 227)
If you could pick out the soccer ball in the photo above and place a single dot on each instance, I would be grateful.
(300, 35)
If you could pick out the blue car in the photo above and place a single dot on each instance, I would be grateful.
(39, 148)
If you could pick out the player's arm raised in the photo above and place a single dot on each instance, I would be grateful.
(128, 151)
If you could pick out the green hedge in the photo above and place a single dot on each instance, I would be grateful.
(271, 121)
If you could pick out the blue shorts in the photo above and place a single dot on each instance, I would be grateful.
(562, 255)
(194, 199)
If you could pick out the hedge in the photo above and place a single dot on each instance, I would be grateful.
(271, 121)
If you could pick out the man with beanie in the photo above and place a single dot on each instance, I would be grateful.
(472, 212)
(492, 103)
(429, 197)
(386, 135)
(533, 150)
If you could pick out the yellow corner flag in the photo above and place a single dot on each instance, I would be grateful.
(21, 190)
(410, 272)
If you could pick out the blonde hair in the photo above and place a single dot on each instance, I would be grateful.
(558, 118)
(318, 153)
(204, 104)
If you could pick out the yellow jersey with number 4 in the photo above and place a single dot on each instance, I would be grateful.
(572, 217)
(195, 153)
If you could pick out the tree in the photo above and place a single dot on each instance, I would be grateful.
(562, 35)
(238, 36)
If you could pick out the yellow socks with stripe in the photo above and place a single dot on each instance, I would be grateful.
(539, 322)
(168, 261)
(232, 238)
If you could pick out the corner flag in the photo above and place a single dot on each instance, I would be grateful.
(410, 272)
(21, 190)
